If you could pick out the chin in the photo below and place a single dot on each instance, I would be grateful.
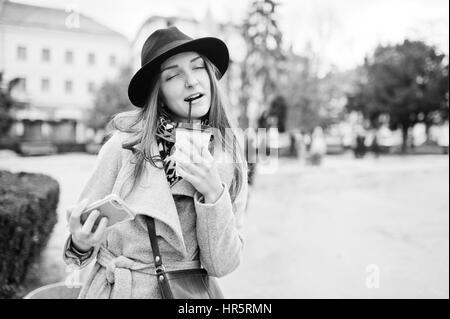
(198, 116)
(201, 112)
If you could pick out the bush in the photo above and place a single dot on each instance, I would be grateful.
(28, 204)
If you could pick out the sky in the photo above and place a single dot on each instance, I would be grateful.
(344, 31)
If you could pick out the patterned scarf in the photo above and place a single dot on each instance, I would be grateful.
(165, 137)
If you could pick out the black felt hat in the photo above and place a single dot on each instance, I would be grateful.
(164, 43)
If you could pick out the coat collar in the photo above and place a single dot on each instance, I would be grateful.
(154, 197)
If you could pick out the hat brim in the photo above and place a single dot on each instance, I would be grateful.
(213, 48)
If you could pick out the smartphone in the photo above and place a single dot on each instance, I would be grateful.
(111, 206)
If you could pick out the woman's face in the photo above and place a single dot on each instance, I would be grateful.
(184, 78)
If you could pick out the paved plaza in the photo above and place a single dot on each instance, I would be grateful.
(368, 228)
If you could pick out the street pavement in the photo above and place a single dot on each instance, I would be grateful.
(350, 228)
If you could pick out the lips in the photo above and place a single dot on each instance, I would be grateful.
(193, 97)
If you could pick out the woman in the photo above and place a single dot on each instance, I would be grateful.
(197, 205)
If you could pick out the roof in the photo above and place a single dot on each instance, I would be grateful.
(13, 13)
(165, 18)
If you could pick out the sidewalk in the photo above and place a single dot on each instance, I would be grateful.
(313, 232)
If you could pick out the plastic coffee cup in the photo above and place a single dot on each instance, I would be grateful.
(184, 132)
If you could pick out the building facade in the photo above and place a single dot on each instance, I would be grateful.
(61, 57)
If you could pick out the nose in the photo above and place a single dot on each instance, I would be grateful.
(191, 80)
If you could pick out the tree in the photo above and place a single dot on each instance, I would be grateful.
(264, 54)
(6, 104)
(312, 100)
(315, 90)
(110, 99)
(408, 82)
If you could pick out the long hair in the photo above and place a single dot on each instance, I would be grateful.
(142, 124)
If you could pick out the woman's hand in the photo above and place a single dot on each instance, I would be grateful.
(201, 170)
(82, 236)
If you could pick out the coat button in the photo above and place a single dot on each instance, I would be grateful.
(157, 259)
(161, 278)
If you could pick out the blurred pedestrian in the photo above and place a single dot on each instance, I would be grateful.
(293, 144)
(302, 149)
(307, 141)
(318, 146)
(359, 147)
(375, 146)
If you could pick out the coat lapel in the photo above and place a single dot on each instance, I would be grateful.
(154, 197)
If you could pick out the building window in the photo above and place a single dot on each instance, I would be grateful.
(69, 86)
(91, 87)
(19, 128)
(91, 58)
(45, 85)
(112, 60)
(45, 55)
(21, 53)
(69, 57)
(46, 129)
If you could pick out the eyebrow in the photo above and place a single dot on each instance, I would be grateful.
(176, 66)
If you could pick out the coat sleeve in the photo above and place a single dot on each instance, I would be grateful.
(219, 230)
(99, 184)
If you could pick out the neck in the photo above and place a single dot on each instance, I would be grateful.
(173, 117)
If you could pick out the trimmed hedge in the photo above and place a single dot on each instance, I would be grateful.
(28, 204)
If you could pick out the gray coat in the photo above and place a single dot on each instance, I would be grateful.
(190, 232)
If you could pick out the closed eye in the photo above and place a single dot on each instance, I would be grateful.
(199, 67)
(171, 77)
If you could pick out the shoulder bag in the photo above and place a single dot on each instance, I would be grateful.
(181, 284)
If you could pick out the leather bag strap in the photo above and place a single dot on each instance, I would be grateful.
(160, 270)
